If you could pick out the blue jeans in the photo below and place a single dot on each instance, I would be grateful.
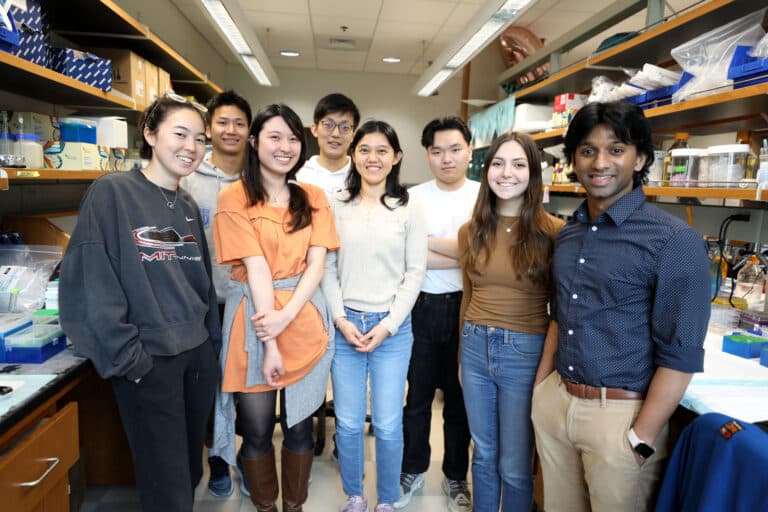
(388, 368)
(498, 367)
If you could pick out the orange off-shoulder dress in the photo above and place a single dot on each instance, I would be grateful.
(242, 230)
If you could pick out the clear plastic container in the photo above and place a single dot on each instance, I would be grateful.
(31, 149)
(728, 164)
(656, 171)
(684, 167)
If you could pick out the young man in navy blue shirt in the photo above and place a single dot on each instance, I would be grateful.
(630, 313)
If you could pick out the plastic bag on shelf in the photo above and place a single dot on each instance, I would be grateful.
(708, 56)
(602, 89)
(24, 274)
(760, 51)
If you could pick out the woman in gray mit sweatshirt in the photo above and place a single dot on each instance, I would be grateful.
(137, 300)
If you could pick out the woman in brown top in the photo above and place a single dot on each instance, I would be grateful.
(505, 252)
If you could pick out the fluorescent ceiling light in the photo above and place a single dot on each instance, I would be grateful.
(253, 65)
(289, 53)
(491, 19)
(437, 81)
(391, 60)
(241, 39)
(221, 16)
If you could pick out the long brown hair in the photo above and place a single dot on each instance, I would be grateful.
(531, 252)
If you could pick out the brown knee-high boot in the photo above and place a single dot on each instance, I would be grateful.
(261, 474)
(294, 473)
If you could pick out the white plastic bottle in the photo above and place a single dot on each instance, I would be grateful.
(762, 171)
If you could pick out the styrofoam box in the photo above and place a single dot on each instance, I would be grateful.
(531, 118)
(111, 131)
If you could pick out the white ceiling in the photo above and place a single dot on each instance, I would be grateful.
(416, 31)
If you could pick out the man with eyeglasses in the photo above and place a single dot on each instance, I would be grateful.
(335, 119)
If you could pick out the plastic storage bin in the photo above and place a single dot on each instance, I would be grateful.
(728, 164)
(11, 323)
(31, 149)
(746, 70)
(744, 345)
(35, 344)
(684, 166)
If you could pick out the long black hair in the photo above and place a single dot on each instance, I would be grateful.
(298, 205)
(393, 187)
(157, 112)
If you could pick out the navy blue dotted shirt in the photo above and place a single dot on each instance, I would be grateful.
(632, 294)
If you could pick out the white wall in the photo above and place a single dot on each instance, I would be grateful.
(381, 96)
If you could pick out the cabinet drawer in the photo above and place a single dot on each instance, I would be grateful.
(39, 464)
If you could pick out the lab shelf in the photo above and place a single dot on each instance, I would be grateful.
(697, 192)
(103, 24)
(48, 175)
(41, 83)
(652, 46)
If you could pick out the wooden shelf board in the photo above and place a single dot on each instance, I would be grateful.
(48, 85)
(107, 26)
(52, 174)
(698, 192)
(652, 46)
(3, 184)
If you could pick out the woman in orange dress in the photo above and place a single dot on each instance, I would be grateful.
(275, 233)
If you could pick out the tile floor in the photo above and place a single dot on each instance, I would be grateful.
(325, 494)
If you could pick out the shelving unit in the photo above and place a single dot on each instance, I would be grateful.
(697, 192)
(47, 175)
(109, 26)
(651, 46)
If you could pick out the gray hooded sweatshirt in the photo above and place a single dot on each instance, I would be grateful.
(204, 186)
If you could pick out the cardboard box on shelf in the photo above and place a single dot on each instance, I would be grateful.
(569, 102)
(128, 73)
(85, 67)
(34, 31)
(72, 156)
(163, 81)
(111, 131)
(45, 127)
(117, 159)
(151, 83)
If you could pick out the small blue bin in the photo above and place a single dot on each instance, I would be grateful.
(764, 357)
(743, 345)
(35, 344)
(745, 70)
(11, 323)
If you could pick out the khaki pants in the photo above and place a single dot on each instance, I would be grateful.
(587, 462)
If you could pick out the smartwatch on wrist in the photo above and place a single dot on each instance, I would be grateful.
(640, 447)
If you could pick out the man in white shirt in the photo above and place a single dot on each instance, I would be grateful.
(229, 119)
(448, 201)
(335, 120)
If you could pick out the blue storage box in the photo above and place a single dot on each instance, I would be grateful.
(75, 129)
(34, 32)
(83, 66)
(35, 344)
(744, 345)
(9, 35)
(745, 70)
(764, 357)
(11, 323)
(660, 97)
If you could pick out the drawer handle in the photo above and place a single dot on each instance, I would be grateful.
(34, 483)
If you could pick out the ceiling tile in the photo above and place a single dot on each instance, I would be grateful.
(283, 6)
(462, 14)
(368, 9)
(335, 59)
(427, 12)
(356, 27)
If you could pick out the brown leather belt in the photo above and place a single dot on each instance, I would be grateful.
(593, 393)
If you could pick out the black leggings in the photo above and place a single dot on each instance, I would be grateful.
(256, 415)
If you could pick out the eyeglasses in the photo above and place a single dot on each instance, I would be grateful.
(178, 99)
(329, 125)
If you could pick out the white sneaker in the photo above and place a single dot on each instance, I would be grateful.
(409, 484)
(354, 504)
